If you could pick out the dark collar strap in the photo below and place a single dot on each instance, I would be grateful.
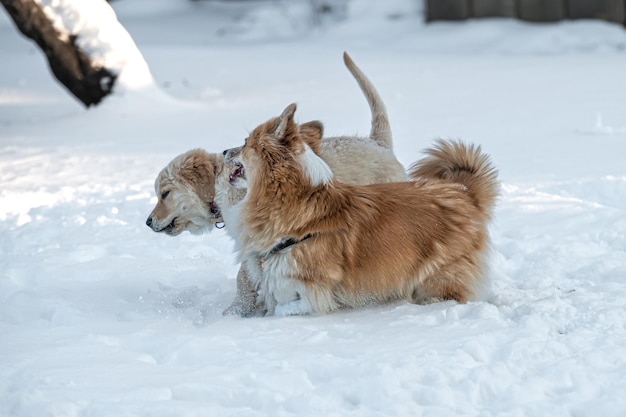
(285, 244)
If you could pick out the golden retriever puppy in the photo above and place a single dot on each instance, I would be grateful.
(186, 190)
(314, 244)
(190, 199)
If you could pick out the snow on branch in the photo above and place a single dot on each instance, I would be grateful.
(88, 50)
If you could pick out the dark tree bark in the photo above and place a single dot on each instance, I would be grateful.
(71, 66)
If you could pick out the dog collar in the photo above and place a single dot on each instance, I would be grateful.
(283, 245)
(216, 215)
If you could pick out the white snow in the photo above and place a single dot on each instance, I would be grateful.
(102, 37)
(100, 316)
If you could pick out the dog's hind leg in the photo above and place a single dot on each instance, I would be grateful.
(457, 282)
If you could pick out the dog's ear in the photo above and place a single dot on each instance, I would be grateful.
(285, 122)
(311, 133)
(198, 171)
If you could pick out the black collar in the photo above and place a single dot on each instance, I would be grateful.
(284, 245)
(216, 215)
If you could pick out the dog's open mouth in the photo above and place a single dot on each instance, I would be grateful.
(170, 227)
(236, 173)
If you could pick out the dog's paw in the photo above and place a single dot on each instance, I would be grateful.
(245, 309)
(238, 308)
(234, 309)
(293, 308)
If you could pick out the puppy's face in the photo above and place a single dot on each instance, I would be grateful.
(237, 173)
(185, 189)
(279, 149)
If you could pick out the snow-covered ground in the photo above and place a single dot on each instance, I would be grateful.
(99, 316)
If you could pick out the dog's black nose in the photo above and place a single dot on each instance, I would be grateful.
(149, 222)
(225, 152)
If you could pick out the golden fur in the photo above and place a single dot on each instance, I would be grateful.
(190, 177)
(196, 180)
(185, 189)
(353, 245)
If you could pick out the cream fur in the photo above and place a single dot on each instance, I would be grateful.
(352, 245)
(185, 188)
(357, 160)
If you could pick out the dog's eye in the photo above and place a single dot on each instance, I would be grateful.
(164, 195)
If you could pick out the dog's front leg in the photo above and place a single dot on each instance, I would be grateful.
(245, 301)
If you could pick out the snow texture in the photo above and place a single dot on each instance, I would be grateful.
(101, 36)
(100, 316)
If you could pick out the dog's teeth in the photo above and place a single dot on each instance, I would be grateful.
(238, 172)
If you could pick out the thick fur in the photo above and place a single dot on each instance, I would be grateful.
(185, 189)
(453, 161)
(356, 160)
(420, 241)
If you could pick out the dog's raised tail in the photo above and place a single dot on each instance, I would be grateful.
(381, 130)
(461, 163)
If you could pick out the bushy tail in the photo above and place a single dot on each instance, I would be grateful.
(381, 130)
(461, 163)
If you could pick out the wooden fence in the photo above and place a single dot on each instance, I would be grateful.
(529, 10)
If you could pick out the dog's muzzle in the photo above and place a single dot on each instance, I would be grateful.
(167, 229)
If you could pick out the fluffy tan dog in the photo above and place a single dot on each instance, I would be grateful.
(316, 244)
(194, 193)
